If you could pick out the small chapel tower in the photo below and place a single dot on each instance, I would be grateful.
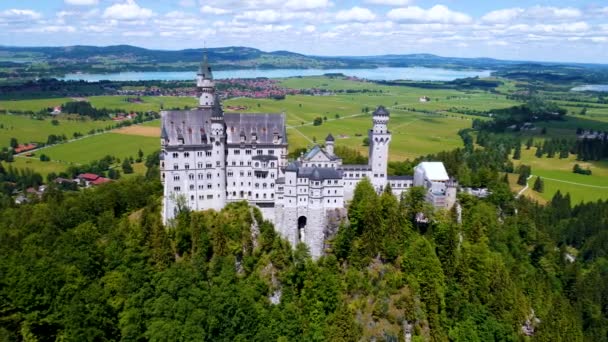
(329, 144)
(379, 139)
(205, 85)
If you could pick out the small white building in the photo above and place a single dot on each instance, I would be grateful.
(441, 190)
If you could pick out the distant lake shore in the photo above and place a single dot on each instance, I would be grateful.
(592, 87)
(375, 74)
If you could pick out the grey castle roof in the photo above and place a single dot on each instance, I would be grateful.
(204, 69)
(263, 126)
(381, 111)
(313, 173)
(400, 178)
(193, 126)
(317, 149)
(264, 158)
(355, 167)
(319, 173)
(330, 137)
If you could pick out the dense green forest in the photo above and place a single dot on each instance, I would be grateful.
(98, 265)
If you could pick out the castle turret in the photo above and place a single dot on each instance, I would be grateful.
(329, 144)
(205, 85)
(379, 139)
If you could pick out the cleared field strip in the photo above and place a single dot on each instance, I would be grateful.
(140, 130)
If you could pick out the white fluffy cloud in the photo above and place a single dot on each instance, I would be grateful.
(214, 10)
(502, 16)
(544, 13)
(129, 10)
(262, 16)
(307, 4)
(19, 14)
(81, 2)
(389, 2)
(435, 14)
(356, 13)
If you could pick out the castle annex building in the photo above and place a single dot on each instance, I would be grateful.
(210, 158)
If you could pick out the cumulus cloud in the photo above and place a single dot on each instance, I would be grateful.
(310, 28)
(81, 2)
(51, 29)
(389, 2)
(356, 14)
(545, 12)
(435, 14)
(19, 14)
(129, 10)
(502, 16)
(307, 4)
(214, 10)
(261, 16)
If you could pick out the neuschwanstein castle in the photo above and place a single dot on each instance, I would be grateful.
(210, 158)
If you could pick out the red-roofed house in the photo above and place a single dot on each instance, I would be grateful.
(23, 148)
(100, 180)
(92, 179)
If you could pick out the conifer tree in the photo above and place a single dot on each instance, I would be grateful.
(539, 185)
(529, 143)
(517, 153)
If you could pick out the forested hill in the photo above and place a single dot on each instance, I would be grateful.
(237, 57)
(99, 266)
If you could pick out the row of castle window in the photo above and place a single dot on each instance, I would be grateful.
(242, 163)
(248, 152)
(321, 165)
(302, 199)
(242, 195)
(209, 153)
(376, 175)
(306, 190)
(187, 154)
(356, 175)
(304, 180)
(257, 196)
(218, 163)
(400, 185)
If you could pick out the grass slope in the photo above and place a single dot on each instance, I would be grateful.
(26, 129)
(557, 175)
(85, 150)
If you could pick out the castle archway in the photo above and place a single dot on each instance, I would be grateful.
(301, 228)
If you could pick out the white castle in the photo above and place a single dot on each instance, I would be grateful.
(210, 158)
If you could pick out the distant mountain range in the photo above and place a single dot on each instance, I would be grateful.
(53, 61)
(233, 57)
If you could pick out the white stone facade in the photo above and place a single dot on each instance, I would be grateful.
(210, 158)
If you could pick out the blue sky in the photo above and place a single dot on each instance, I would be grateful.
(549, 30)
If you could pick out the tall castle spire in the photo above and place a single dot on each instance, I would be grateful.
(204, 69)
(205, 84)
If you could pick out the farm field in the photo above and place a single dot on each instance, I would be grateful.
(32, 105)
(26, 129)
(557, 175)
(34, 163)
(85, 150)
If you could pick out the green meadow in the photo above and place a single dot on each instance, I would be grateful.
(557, 175)
(27, 129)
(91, 148)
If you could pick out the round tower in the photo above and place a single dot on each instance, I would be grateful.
(329, 144)
(379, 139)
(205, 85)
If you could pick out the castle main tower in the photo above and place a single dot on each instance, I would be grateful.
(379, 139)
(205, 85)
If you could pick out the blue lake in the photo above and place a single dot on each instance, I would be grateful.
(378, 74)
(592, 87)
